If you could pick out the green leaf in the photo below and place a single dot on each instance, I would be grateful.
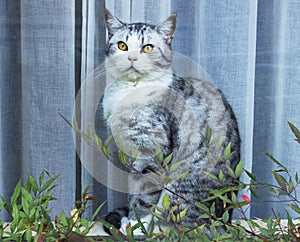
(16, 194)
(254, 193)
(166, 201)
(134, 154)
(295, 131)
(175, 166)
(25, 206)
(217, 223)
(224, 198)
(239, 169)
(291, 186)
(173, 209)
(159, 155)
(28, 235)
(65, 119)
(237, 205)
(107, 141)
(90, 130)
(1, 229)
(86, 191)
(252, 224)
(231, 172)
(221, 176)
(213, 209)
(151, 228)
(98, 141)
(41, 178)
(210, 175)
(227, 152)
(184, 175)
(157, 216)
(182, 214)
(280, 180)
(97, 211)
(26, 195)
(219, 143)
(276, 161)
(84, 222)
(32, 213)
(138, 218)
(13, 226)
(48, 183)
(295, 208)
(15, 212)
(225, 237)
(122, 157)
(63, 218)
(225, 216)
(203, 207)
(168, 159)
(291, 224)
(249, 174)
(204, 216)
(208, 134)
(33, 183)
(233, 197)
(105, 151)
(156, 207)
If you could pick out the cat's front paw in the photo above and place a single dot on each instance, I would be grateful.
(125, 223)
(114, 219)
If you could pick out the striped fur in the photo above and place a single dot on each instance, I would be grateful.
(146, 105)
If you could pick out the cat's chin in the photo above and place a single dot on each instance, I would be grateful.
(132, 75)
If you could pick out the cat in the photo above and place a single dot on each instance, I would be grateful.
(146, 105)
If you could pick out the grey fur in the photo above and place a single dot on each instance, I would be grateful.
(149, 106)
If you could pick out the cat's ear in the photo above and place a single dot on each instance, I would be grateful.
(112, 23)
(167, 28)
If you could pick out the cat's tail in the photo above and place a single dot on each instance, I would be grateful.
(114, 217)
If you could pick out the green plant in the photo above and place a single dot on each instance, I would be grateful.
(29, 207)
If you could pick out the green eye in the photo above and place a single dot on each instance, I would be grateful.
(148, 48)
(122, 46)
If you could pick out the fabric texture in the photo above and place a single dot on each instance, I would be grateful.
(37, 81)
(250, 49)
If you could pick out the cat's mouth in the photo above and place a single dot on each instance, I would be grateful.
(132, 69)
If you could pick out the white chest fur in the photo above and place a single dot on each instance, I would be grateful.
(122, 94)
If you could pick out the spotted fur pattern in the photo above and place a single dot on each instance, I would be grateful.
(146, 105)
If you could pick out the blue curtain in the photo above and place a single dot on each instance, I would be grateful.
(250, 49)
(37, 81)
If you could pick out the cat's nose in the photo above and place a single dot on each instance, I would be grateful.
(132, 58)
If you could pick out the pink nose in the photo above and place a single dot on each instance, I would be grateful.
(132, 58)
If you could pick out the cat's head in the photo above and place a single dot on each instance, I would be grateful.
(138, 49)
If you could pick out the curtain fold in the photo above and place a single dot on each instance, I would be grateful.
(37, 82)
(277, 97)
(93, 42)
(10, 97)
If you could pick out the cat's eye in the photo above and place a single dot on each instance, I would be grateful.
(148, 48)
(122, 46)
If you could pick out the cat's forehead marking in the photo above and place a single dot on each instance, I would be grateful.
(140, 30)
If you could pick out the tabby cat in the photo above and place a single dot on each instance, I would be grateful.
(147, 106)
